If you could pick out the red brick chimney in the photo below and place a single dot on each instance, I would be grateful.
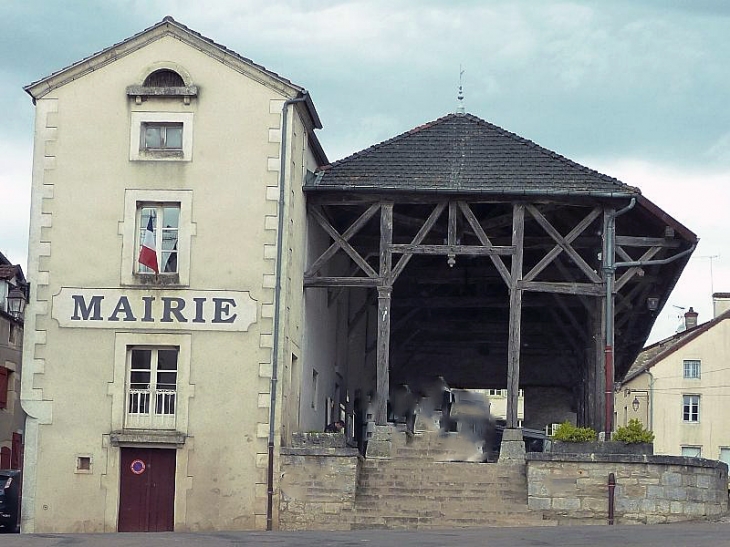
(690, 319)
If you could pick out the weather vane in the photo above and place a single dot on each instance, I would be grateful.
(460, 96)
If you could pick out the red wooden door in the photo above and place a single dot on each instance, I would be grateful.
(147, 490)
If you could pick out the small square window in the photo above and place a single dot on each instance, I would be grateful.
(162, 136)
(692, 368)
(83, 464)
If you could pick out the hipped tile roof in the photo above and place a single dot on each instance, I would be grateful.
(463, 153)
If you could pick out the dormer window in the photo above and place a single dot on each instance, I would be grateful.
(164, 78)
(163, 83)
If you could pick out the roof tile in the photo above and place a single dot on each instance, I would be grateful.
(463, 153)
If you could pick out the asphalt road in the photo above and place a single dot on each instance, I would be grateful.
(665, 535)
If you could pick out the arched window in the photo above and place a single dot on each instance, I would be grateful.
(164, 78)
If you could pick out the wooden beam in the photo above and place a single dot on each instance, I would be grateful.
(341, 241)
(340, 282)
(484, 240)
(631, 241)
(385, 289)
(563, 244)
(588, 289)
(468, 250)
(419, 237)
(515, 316)
(631, 272)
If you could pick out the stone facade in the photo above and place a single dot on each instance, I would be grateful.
(318, 483)
(573, 488)
(227, 201)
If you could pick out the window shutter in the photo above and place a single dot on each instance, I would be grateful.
(16, 454)
(4, 375)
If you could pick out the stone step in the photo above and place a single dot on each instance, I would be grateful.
(417, 488)
(434, 523)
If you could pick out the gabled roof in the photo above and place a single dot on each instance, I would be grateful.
(657, 352)
(9, 271)
(168, 26)
(463, 153)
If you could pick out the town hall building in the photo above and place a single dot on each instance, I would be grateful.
(205, 284)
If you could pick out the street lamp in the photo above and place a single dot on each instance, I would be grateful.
(635, 404)
(16, 302)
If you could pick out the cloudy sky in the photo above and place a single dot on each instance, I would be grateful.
(637, 89)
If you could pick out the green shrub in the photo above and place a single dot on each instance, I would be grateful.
(635, 432)
(569, 433)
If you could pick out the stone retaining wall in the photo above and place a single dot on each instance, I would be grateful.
(572, 488)
(318, 482)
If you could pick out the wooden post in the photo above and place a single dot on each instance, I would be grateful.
(515, 316)
(383, 373)
(385, 289)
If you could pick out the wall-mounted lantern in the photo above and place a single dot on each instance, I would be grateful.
(635, 404)
(16, 302)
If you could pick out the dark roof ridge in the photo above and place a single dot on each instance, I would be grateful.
(479, 121)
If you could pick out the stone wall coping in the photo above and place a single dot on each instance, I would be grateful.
(625, 458)
(338, 452)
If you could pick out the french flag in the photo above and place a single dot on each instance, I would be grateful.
(147, 254)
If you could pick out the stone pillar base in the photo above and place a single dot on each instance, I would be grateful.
(380, 444)
(513, 447)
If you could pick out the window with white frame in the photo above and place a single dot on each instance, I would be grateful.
(157, 227)
(691, 408)
(152, 387)
(692, 451)
(691, 368)
(725, 454)
(161, 136)
(170, 233)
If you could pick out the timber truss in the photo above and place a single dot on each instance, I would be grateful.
(499, 293)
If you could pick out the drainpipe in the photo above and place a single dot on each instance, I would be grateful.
(277, 311)
(640, 263)
(609, 269)
(651, 401)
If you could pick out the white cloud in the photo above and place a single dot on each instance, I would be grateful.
(15, 178)
(698, 199)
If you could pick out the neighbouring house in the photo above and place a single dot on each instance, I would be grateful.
(13, 295)
(237, 289)
(679, 386)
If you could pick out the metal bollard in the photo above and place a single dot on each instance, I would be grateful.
(611, 491)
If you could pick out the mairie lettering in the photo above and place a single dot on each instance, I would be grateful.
(150, 309)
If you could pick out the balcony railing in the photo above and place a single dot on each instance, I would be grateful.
(142, 415)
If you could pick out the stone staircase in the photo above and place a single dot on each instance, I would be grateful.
(420, 487)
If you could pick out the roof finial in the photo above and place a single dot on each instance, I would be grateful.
(460, 96)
